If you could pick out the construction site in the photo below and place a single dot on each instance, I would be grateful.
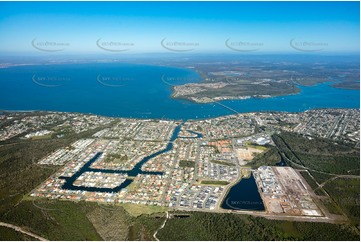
(284, 192)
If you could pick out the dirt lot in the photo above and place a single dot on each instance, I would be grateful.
(245, 155)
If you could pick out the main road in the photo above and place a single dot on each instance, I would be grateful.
(21, 230)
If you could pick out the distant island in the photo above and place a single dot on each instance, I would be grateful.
(232, 80)
(237, 89)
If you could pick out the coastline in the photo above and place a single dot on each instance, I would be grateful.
(300, 89)
(217, 99)
(166, 119)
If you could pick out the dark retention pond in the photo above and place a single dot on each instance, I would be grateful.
(244, 196)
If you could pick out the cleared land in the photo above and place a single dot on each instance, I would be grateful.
(245, 155)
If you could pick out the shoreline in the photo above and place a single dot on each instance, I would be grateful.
(213, 100)
(265, 96)
(4, 111)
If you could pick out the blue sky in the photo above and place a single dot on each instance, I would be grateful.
(204, 26)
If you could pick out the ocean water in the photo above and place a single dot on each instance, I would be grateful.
(140, 91)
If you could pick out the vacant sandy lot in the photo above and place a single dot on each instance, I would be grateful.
(245, 155)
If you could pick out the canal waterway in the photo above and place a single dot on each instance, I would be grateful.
(69, 181)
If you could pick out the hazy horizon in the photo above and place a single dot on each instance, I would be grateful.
(59, 28)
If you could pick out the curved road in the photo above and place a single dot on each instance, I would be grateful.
(17, 228)
(155, 234)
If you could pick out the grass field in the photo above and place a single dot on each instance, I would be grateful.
(254, 146)
(187, 163)
(210, 182)
(223, 162)
(136, 210)
(47, 136)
